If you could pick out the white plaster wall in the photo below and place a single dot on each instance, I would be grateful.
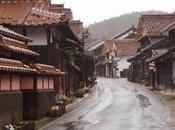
(38, 35)
(122, 64)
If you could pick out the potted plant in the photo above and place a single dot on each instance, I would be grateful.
(87, 90)
(9, 127)
(25, 125)
(61, 105)
(54, 111)
(80, 93)
(72, 98)
(66, 100)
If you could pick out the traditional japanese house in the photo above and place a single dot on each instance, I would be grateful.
(127, 34)
(51, 34)
(148, 33)
(13, 46)
(106, 55)
(162, 60)
(59, 8)
(99, 59)
(109, 51)
(35, 86)
(76, 72)
(105, 59)
(11, 97)
(87, 64)
(39, 92)
(125, 49)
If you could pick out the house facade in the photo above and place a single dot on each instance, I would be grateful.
(112, 53)
(53, 33)
(34, 70)
(125, 48)
(22, 84)
(155, 43)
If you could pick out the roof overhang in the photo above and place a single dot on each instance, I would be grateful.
(157, 56)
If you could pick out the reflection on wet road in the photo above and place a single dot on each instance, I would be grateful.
(116, 104)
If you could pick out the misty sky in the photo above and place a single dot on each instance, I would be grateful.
(90, 11)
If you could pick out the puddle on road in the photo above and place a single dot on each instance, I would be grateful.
(78, 124)
(143, 101)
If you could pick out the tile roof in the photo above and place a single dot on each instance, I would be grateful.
(42, 4)
(46, 69)
(8, 65)
(28, 13)
(158, 54)
(126, 47)
(121, 35)
(16, 46)
(8, 7)
(170, 27)
(9, 33)
(59, 8)
(108, 46)
(154, 24)
(42, 17)
(156, 44)
(156, 39)
(77, 27)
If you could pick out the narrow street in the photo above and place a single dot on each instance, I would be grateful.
(116, 104)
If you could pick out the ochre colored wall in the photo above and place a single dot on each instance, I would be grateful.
(5, 82)
(27, 82)
(51, 83)
(15, 82)
(39, 82)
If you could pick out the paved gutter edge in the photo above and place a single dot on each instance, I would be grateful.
(48, 120)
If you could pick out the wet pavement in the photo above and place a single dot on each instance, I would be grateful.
(116, 104)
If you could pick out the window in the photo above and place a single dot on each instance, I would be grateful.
(39, 82)
(26, 82)
(51, 83)
(9, 82)
(15, 82)
(46, 83)
(5, 82)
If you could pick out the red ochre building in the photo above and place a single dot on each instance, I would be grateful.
(26, 87)
(53, 30)
(52, 33)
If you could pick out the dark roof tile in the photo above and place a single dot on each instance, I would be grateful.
(126, 47)
(154, 24)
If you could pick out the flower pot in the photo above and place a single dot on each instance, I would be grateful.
(29, 125)
(54, 113)
(62, 109)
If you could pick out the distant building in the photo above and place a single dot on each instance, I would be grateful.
(112, 53)
(125, 49)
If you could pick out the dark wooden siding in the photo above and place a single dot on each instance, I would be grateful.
(10, 108)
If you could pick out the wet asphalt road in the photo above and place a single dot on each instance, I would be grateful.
(116, 104)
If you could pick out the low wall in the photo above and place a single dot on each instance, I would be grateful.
(10, 108)
(36, 104)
